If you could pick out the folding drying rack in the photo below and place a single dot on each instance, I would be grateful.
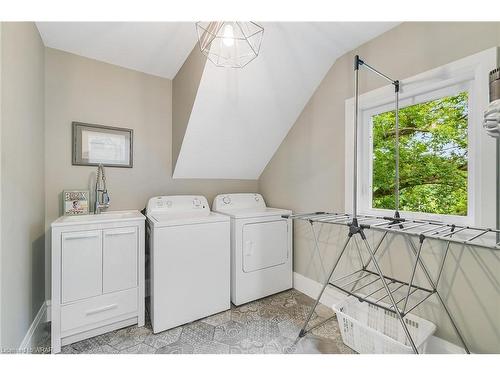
(367, 283)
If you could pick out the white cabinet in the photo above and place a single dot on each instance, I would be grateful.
(97, 275)
(81, 268)
(119, 263)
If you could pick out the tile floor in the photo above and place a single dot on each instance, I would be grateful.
(269, 325)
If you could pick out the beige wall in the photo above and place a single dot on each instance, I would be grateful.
(184, 88)
(307, 172)
(81, 89)
(22, 180)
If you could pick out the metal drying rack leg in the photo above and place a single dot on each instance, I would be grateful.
(376, 249)
(441, 301)
(316, 247)
(414, 270)
(389, 293)
(325, 284)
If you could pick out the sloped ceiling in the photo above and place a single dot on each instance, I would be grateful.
(158, 48)
(240, 116)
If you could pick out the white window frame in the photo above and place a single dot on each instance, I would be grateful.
(366, 153)
(469, 74)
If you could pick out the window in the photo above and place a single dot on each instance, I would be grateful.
(433, 157)
(447, 162)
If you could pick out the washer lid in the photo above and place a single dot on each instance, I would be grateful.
(245, 213)
(162, 219)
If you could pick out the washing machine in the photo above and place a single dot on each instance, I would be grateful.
(189, 248)
(261, 246)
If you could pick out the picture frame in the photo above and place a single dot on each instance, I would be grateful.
(75, 202)
(98, 144)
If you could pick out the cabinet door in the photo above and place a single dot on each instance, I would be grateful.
(81, 267)
(119, 259)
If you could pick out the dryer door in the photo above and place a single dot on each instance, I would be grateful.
(265, 244)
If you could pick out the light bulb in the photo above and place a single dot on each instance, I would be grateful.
(228, 35)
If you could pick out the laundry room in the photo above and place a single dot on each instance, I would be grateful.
(257, 187)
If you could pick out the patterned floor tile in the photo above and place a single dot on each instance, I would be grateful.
(289, 329)
(282, 345)
(278, 299)
(197, 332)
(218, 319)
(311, 344)
(103, 349)
(128, 337)
(304, 299)
(235, 350)
(270, 325)
(298, 314)
(327, 330)
(262, 330)
(67, 349)
(247, 346)
(162, 339)
(323, 311)
(274, 313)
(178, 347)
(89, 344)
(139, 349)
(246, 313)
(230, 333)
(290, 293)
(211, 348)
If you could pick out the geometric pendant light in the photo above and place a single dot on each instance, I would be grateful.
(230, 44)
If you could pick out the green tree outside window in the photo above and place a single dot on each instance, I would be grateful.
(433, 157)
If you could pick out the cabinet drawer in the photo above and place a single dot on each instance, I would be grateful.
(96, 309)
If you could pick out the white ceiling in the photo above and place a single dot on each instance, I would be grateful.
(241, 116)
(158, 48)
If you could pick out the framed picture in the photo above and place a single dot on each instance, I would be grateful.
(76, 202)
(106, 145)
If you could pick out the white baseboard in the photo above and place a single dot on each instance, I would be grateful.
(49, 311)
(312, 288)
(331, 297)
(30, 338)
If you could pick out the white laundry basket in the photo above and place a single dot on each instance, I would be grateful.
(367, 328)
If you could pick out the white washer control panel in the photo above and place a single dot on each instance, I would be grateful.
(178, 203)
(238, 201)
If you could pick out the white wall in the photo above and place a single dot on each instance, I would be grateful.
(22, 180)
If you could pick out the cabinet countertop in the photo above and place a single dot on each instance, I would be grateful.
(106, 217)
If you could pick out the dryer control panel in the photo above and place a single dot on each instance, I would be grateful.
(238, 201)
(178, 204)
